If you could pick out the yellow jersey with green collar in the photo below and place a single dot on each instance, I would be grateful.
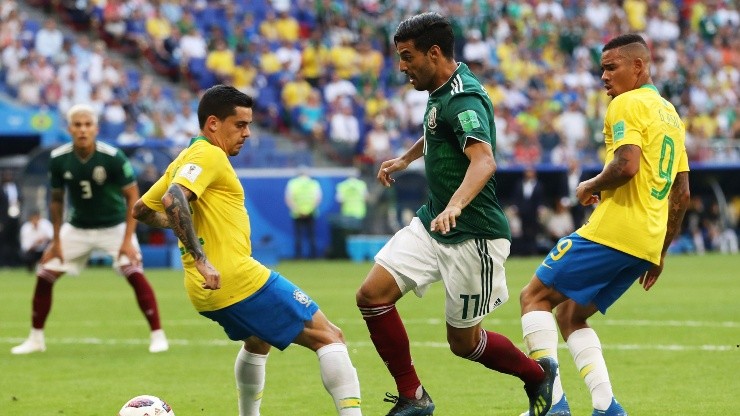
(633, 218)
(221, 223)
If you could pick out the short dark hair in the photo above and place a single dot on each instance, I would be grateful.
(624, 40)
(221, 101)
(427, 30)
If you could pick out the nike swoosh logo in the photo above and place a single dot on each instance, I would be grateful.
(545, 264)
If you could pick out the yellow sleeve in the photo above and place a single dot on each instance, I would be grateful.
(153, 197)
(683, 162)
(200, 168)
(626, 120)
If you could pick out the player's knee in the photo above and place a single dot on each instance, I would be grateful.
(461, 349)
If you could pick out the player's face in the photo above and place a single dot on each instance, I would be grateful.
(618, 74)
(234, 130)
(416, 65)
(83, 130)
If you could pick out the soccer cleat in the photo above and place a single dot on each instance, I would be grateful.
(540, 395)
(410, 407)
(34, 343)
(158, 341)
(560, 408)
(615, 409)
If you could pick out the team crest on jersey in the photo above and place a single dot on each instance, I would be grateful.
(301, 297)
(99, 175)
(432, 118)
(68, 175)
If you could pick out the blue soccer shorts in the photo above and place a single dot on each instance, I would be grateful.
(276, 313)
(589, 272)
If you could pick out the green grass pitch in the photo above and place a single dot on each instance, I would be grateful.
(674, 350)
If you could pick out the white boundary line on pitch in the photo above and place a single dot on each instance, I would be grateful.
(355, 345)
(426, 321)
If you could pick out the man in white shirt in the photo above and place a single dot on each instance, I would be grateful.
(35, 234)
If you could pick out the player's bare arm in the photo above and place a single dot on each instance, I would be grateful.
(177, 207)
(678, 202)
(619, 171)
(149, 216)
(400, 163)
(56, 214)
(482, 167)
(128, 249)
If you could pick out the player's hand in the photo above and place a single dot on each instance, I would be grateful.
(585, 194)
(212, 276)
(388, 167)
(129, 250)
(648, 279)
(446, 220)
(53, 251)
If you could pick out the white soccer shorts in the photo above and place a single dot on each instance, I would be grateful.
(472, 271)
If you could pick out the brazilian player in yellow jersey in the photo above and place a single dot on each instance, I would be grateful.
(644, 189)
(201, 198)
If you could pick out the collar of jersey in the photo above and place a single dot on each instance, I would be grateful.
(446, 86)
(650, 87)
(195, 139)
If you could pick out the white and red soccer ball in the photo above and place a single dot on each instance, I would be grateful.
(146, 405)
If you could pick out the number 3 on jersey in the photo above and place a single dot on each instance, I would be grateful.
(86, 190)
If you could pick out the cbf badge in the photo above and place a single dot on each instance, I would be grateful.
(432, 118)
(301, 297)
(99, 174)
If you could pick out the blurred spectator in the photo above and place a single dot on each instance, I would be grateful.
(352, 196)
(49, 40)
(303, 196)
(338, 87)
(559, 222)
(129, 136)
(344, 132)
(35, 235)
(529, 198)
(10, 209)
(221, 62)
(311, 117)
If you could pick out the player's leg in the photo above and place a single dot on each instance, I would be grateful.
(337, 372)
(75, 250)
(249, 371)
(475, 281)
(585, 347)
(541, 334)
(110, 239)
(407, 262)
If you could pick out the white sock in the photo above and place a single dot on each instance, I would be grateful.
(36, 334)
(585, 347)
(541, 340)
(249, 370)
(340, 378)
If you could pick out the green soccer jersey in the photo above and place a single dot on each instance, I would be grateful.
(458, 111)
(93, 186)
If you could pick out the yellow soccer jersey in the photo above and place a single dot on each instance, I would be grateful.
(633, 217)
(221, 223)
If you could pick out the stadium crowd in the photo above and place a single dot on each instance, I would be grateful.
(325, 73)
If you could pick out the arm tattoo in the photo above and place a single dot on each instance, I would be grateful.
(678, 201)
(153, 218)
(613, 176)
(177, 208)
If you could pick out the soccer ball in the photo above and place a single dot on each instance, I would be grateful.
(146, 406)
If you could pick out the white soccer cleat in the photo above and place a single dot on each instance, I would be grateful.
(158, 341)
(34, 343)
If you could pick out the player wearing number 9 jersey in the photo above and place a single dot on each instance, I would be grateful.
(644, 194)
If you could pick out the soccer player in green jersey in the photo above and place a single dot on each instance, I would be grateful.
(644, 188)
(201, 198)
(101, 188)
(460, 236)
